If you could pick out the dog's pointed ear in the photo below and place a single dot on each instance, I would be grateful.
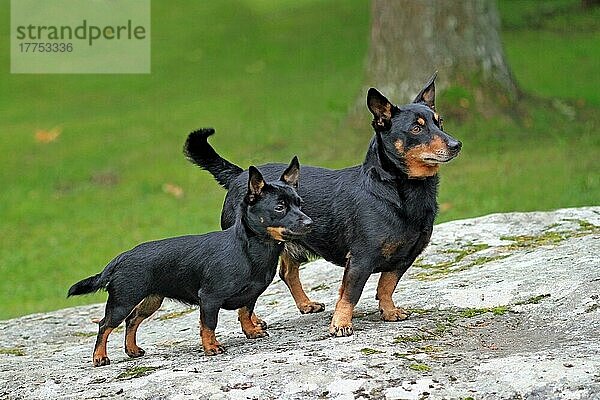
(256, 183)
(381, 108)
(427, 94)
(291, 173)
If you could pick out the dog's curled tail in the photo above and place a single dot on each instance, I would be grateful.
(96, 282)
(198, 151)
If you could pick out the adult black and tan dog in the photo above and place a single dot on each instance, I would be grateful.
(374, 217)
(228, 269)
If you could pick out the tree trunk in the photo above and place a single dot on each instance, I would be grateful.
(588, 4)
(410, 39)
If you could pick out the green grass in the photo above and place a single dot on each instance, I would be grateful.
(275, 79)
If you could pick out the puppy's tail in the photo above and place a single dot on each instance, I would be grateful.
(88, 285)
(198, 151)
(96, 282)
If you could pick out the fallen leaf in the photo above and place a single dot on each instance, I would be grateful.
(445, 207)
(173, 190)
(47, 136)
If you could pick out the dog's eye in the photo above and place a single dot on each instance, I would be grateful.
(416, 129)
(280, 207)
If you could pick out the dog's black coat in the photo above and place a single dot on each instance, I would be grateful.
(229, 269)
(370, 218)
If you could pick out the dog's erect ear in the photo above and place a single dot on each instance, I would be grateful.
(427, 95)
(256, 183)
(292, 173)
(381, 108)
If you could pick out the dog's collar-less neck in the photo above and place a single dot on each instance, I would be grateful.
(251, 233)
(394, 186)
(385, 162)
(377, 161)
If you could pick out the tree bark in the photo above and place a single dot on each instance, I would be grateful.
(588, 4)
(410, 39)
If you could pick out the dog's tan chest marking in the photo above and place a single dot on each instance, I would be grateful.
(276, 232)
(388, 249)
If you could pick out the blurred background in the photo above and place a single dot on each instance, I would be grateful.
(91, 165)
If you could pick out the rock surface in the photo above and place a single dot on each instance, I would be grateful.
(503, 306)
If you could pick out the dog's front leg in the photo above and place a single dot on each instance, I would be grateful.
(389, 280)
(289, 271)
(208, 323)
(251, 329)
(356, 275)
(385, 289)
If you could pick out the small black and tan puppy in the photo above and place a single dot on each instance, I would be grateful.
(228, 269)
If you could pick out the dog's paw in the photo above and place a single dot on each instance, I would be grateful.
(259, 322)
(256, 333)
(135, 352)
(341, 322)
(341, 331)
(214, 349)
(311, 307)
(262, 324)
(394, 314)
(101, 361)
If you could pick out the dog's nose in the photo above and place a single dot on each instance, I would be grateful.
(454, 145)
(307, 222)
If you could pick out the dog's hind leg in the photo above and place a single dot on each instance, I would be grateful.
(100, 357)
(289, 271)
(115, 313)
(385, 288)
(146, 308)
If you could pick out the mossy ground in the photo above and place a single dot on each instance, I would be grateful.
(462, 260)
(12, 351)
(136, 372)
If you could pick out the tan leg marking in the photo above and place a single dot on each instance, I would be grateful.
(250, 329)
(289, 271)
(341, 322)
(145, 309)
(258, 321)
(100, 357)
(210, 344)
(385, 288)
